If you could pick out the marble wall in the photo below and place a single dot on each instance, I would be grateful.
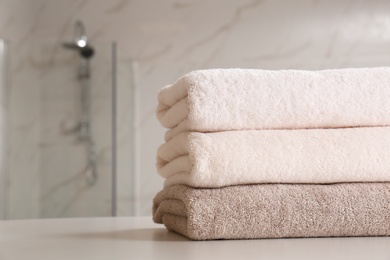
(158, 41)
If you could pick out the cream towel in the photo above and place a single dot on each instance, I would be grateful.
(238, 99)
(276, 156)
(275, 211)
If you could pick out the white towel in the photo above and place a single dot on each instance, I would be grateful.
(276, 156)
(243, 99)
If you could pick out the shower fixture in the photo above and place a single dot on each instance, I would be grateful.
(86, 52)
(80, 42)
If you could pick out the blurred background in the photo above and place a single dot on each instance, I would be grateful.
(79, 82)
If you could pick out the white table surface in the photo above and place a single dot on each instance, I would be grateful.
(139, 238)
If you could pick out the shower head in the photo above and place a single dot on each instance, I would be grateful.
(86, 52)
(80, 42)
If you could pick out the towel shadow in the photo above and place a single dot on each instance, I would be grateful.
(144, 234)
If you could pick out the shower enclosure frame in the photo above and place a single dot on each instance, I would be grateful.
(3, 79)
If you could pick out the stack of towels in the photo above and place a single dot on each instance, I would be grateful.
(272, 154)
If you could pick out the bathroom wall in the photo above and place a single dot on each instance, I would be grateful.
(158, 41)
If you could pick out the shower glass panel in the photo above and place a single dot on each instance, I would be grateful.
(2, 128)
(59, 131)
(126, 134)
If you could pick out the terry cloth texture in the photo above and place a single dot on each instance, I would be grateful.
(242, 99)
(276, 156)
(275, 211)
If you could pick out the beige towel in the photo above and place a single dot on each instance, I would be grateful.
(221, 159)
(275, 211)
(238, 99)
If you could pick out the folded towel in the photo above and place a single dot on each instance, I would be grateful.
(276, 156)
(238, 99)
(275, 211)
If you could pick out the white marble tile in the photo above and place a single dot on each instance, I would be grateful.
(165, 39)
